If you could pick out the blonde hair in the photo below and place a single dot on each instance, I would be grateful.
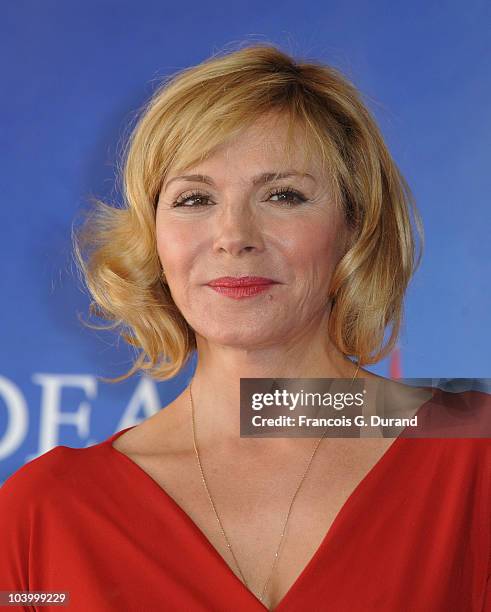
(190, 114)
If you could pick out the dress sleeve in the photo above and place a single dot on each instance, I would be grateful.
(15, 521)
(487, 591)
(17, 517)
(487, 596)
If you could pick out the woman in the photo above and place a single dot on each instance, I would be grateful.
(267, 227)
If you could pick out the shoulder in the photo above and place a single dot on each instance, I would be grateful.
(41, 470)
(462, 414)
(461, 423)
(46, 478)
(32, 500)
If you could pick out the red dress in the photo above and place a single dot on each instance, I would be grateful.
(414, 536)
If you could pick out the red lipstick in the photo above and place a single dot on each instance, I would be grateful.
(241, 286)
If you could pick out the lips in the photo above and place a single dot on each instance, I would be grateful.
(241, 281)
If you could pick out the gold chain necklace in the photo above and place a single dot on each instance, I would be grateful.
(276, 555)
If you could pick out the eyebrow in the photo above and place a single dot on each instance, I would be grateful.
(265, 177)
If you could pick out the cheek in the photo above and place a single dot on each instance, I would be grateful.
(314, 245)
(175, 244)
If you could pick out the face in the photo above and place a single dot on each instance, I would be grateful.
(287, 230)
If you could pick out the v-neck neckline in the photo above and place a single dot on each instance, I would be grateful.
(308, 568)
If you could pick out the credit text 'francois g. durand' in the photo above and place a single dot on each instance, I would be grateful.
(359, 421)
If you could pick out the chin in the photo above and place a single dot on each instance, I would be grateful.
(249, 338)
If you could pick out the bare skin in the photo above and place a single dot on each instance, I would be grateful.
(241, 228)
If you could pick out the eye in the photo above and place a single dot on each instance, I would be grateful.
(294, 197)
(194, 195)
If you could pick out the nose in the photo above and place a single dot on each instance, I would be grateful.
(237, 230)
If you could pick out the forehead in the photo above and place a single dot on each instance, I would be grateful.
(267, 140)
(266, 143)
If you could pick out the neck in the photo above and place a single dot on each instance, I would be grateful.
(216, 382)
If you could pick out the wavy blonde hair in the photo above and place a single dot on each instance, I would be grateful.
(198, 109)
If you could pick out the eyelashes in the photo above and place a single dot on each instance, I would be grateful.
(295, 198)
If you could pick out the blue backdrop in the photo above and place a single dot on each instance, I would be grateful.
(73, 76)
